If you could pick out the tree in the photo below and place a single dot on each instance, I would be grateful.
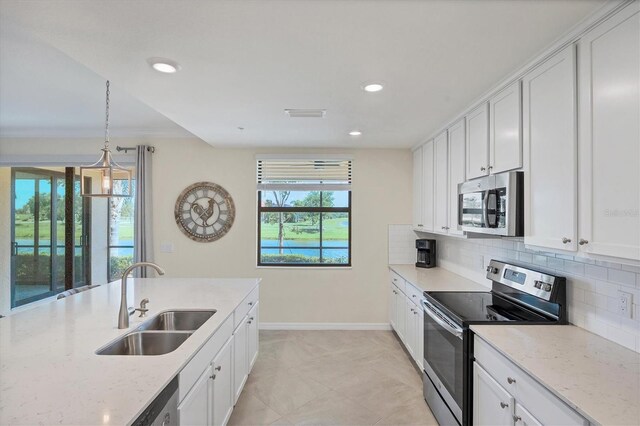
(281, 198)
(118, 207)
(313, 199)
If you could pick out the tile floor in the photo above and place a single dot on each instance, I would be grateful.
(332, 378)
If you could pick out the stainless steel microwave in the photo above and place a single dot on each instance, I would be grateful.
(492, 205)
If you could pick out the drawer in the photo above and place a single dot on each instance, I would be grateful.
(203, 358)
(397, 280)
(541, 402)
(245, 306)
(413, 293)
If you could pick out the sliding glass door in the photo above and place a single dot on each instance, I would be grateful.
(39, 232)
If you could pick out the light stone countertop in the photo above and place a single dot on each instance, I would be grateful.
(437, 279)
(596, 377)
(50, 373)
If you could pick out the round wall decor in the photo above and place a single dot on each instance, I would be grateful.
(204, 212)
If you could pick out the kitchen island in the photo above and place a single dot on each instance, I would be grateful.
(50, 372)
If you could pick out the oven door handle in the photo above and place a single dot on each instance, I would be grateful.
(431, 311)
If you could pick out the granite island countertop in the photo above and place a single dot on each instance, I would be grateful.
(437, 279)
(50, 373)
(596, 377)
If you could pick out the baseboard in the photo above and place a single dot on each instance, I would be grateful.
(324, 326)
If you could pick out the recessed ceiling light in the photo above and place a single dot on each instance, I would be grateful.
(355, 133)
(373, 87)
(164, 65)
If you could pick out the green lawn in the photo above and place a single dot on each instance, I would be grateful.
(333, 229)
(24, 230)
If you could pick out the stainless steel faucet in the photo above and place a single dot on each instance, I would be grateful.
(123, 315)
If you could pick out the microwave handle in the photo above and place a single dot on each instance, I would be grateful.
(485, 209)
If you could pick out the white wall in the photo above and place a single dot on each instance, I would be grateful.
(381, 196)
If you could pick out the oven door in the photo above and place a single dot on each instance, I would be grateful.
(443, 357)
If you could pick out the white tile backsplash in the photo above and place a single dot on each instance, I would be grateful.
(402, 245)
(592, 285)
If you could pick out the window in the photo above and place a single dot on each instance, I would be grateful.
(304, 212)
(44, 235)
(121, 216)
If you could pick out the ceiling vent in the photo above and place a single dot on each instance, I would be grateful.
(305, 113)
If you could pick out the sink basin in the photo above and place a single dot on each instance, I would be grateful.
(177, 321)
(145, 343)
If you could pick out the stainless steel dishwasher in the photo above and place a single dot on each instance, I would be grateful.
(163, 411)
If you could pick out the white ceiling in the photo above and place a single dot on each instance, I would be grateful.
(245, 61)
(46, 94)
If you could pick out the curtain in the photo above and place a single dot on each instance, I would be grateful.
(143, 233)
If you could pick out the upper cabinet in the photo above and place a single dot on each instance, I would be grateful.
(478, 142)
(456, 172)
(505, 130)
(549, 130)
(441, 183)
(609, 143)
(427, 186)
(417, 189)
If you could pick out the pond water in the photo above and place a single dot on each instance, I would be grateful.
(308, 248)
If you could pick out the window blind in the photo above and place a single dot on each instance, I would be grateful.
(308, 174)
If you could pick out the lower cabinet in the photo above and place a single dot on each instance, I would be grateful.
(253, 335)
(212, 381)
(195, 408)
(240, 357)
(210, 400)
(503, 394)
(406, 317)
(222, 379)
(492, 405)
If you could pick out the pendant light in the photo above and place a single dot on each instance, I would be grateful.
(106, 170)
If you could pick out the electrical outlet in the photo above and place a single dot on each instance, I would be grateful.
(625, 301)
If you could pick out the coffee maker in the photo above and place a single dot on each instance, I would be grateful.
(426, 253)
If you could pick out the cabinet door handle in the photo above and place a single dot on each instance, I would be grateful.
(566, 240)
(420, 225)
(503, 405)
(490, 167)
(582, 241)
(212, 377)
(510, 380)
(250, 318)
(248, 322)
(517, 418)
(482, 169)
(250, 303)
(413, 295)
(218, 368)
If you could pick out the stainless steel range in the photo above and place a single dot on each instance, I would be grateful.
(518, 295)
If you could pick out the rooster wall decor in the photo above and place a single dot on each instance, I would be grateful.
(204, 212)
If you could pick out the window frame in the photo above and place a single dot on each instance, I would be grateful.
(109, 246)
(261, 209)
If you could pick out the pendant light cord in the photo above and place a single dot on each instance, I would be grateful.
(106, 124)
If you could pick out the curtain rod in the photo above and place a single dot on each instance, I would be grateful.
(126, 149)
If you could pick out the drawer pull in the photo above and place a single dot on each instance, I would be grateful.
(517, 418)
(510, 380)
(212, 377)
(218, 368)
(413, 295)
(503, 405)
(250, 303)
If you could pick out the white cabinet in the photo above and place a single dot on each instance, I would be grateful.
(222, 385)
(498, 381)
(478, 142)
(410, 328)
(549, 133)
(417, 189)
(240, 357)
(254, 334)
(428, 201)
(441, 184)
(609, 143)
(401, 318)
(195, 408)
(505, 130)
(405, 316)
(524, 418)
(492, 404)
(456, 172)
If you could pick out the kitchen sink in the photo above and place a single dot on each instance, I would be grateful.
(177, 321)
(145, 343)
